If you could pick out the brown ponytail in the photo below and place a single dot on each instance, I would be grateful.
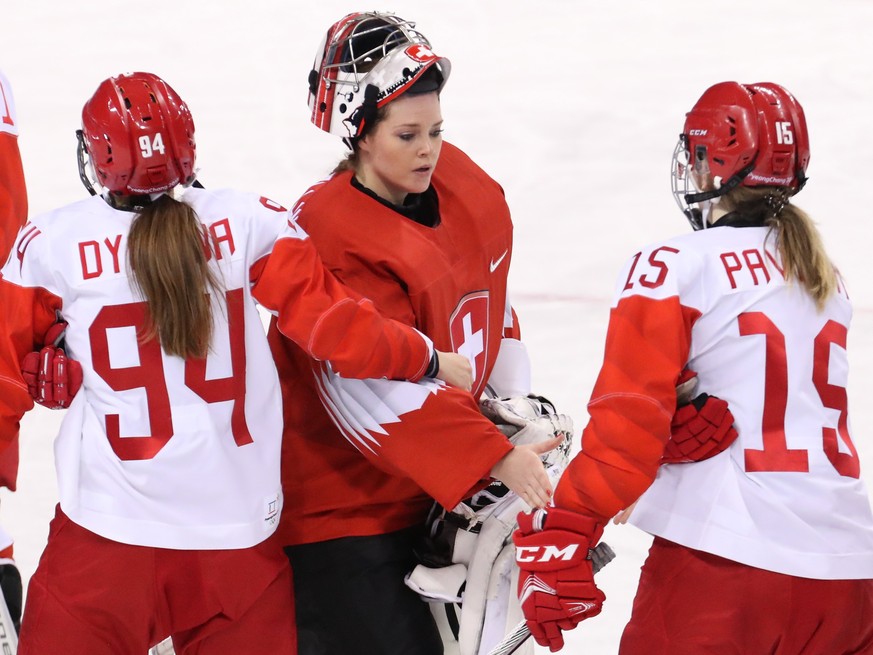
(168, 261)
(798, 241)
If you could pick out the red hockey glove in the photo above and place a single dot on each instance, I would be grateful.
(702, 426)
(52, 379)
(556, 582)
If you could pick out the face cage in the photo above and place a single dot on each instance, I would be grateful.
(682, 184)
(355, 66)
(86, 168)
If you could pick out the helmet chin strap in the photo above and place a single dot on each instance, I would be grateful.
(732, 183)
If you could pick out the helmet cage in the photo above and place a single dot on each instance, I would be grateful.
(86, 168)
(683, 186)
(365, 61)
(688, 177)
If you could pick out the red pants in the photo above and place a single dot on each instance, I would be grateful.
(694, 603)
(94, 596)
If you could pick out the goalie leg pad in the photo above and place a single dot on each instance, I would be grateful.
(495, 535)
(502, 609)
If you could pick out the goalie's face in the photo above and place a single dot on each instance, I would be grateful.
(398, 156)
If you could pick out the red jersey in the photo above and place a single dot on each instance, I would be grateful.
(13, 194)
(13, 214)
(449, 281)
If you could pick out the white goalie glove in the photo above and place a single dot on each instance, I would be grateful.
(469, 556)
(531, 419)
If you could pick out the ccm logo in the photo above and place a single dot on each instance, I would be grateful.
(544, 553)
(697, 132)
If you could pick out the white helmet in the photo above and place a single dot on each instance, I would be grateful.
(365, 61)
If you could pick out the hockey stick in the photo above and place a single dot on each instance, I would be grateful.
(600, 556)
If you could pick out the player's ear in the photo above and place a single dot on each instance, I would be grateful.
(363, 144)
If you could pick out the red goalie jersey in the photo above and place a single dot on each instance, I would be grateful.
(397, 448)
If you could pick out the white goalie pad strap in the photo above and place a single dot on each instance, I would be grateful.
(510, 375)
(465, 546)
(442, 585)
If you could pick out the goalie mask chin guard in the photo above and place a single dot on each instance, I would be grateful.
(751, 135)
(365, 61)
(137, 139)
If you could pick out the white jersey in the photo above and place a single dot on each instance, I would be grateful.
(8, 115)
(156, 450)
(787, 495)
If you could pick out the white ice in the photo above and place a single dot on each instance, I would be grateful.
(574, 106)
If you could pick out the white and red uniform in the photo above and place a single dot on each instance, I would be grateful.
(787, 495)
(173, 453)
(419, 442)
(13, 214)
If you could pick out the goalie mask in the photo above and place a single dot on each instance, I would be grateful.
(738, 135)
(365, 61)
(137, 138)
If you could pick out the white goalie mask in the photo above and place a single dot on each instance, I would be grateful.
(365, 61)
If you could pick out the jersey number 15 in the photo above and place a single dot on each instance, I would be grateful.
(775, 454)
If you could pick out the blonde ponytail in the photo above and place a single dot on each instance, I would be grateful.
(798, 241)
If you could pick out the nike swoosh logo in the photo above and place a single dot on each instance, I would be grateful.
(496, 262)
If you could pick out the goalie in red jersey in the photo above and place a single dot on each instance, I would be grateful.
(411, 221)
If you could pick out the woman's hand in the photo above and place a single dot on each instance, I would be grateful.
(622, 517)
(521, 469)
(455, 369)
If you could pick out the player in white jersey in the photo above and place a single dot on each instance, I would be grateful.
(168, 458)
(766, 547)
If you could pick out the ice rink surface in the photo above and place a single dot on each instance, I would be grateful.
(573, 106)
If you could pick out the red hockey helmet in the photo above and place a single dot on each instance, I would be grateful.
(739, 135)
(138, 136)
(366, 60)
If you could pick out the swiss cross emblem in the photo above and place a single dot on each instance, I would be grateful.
(420, 53)
(469, 331)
